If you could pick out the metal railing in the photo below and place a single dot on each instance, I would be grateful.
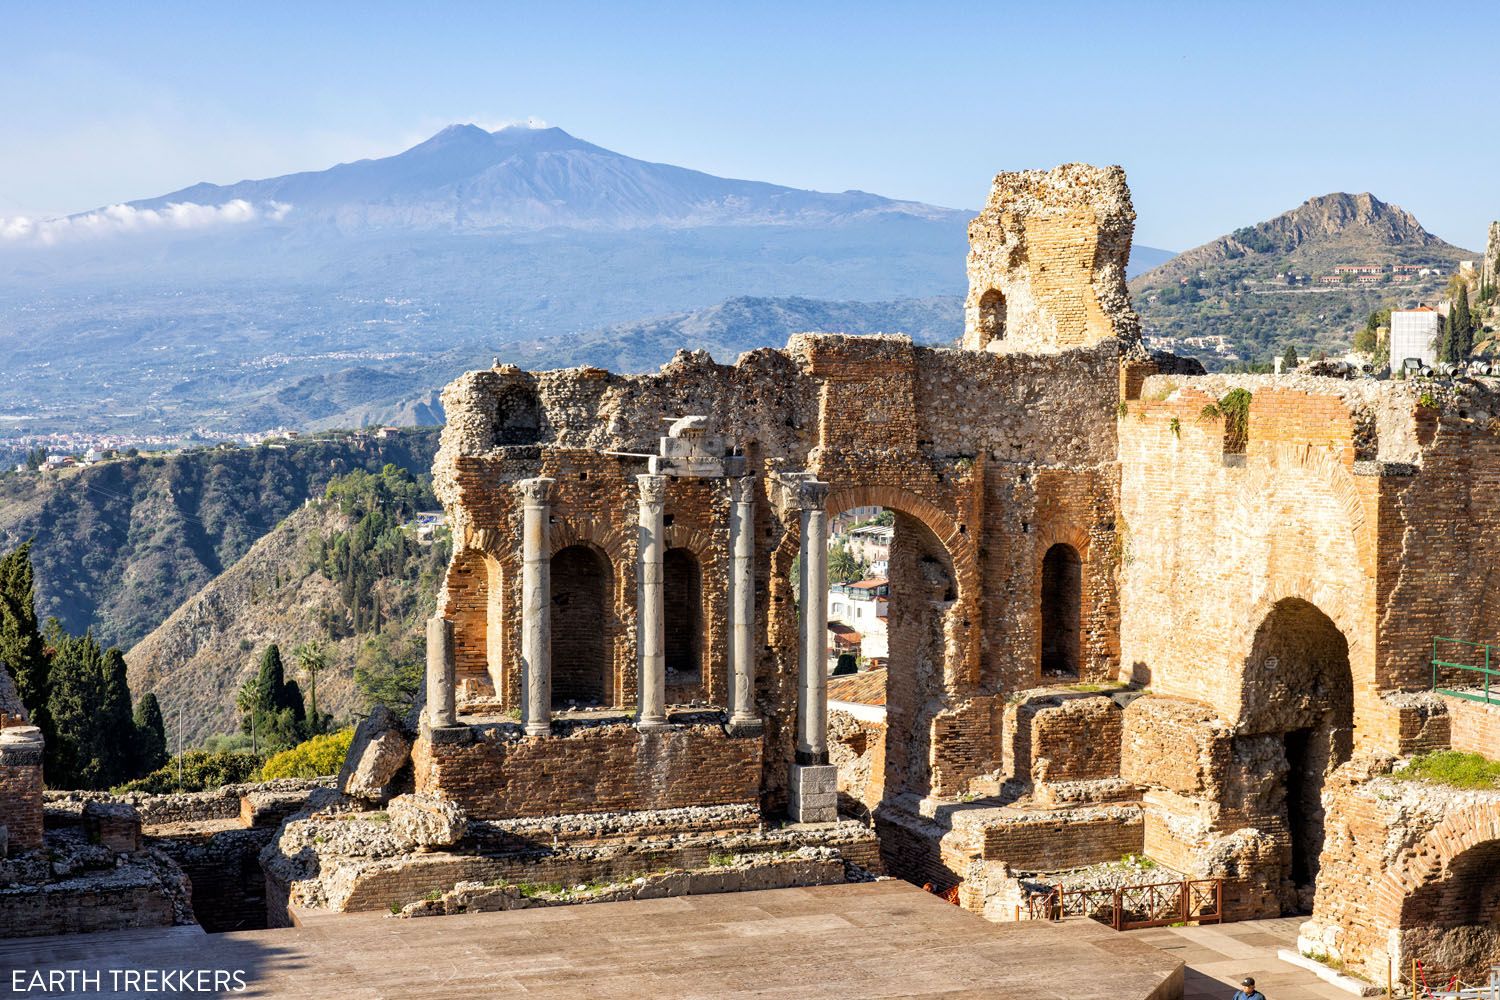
(1470, 658)
(1132, 907)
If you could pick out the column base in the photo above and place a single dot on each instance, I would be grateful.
(539, 729)
(654, 726)
(813, 793)
(749, 726)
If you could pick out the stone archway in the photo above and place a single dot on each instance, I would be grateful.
(1452, 921)
(928, 656)
(1296, 720)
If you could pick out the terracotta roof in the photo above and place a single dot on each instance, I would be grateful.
(845, 633)
(869, 584)
(867, 688)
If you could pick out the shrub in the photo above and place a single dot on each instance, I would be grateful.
(201, 771)
(313, 758)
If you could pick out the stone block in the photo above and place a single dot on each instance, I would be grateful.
(813, 794)
(379, 750)
(427, 820)
(115, 825)
(266, 808)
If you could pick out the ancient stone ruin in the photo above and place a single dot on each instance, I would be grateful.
(1136, 609)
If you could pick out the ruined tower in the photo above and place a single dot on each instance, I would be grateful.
(1047, 259)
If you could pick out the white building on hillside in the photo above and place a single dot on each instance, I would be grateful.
(1414, 334)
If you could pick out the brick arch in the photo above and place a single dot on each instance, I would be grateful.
(1460, 831)
(612, 541)
(708, 548)
(955, 543)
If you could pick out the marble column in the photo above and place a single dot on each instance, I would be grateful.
(812, 794)
(536, 607)
(742, 717)
(650, 632)
(812, 669)
(440, 673)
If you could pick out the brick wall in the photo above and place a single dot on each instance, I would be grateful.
(605, 768)
(1047, 844)
(1473, 727)
(21, 787)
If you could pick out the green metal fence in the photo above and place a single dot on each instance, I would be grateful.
(1473, 660)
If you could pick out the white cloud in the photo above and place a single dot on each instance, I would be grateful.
(122, 219)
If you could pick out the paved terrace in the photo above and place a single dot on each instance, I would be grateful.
(882, 939)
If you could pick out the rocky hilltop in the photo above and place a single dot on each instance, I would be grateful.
(1320, 233)
(1231, 300)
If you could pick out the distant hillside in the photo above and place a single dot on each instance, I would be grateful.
(1236, 287)
(196, 660)
(405, 393)
(119, 545)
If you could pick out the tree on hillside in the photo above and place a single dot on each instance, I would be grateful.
(312, 657)
(271, 706)
(1289, 358)
(1461, 341)
(21, 647)
(151, 735)
(75, 755)
(388, 671)
(115, 724)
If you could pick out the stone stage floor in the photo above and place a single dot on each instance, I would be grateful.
(881, 939)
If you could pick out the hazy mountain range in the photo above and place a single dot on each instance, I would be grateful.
(221, 307)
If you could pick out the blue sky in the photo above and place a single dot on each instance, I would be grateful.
(1222, 113)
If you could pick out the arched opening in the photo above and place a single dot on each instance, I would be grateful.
(1298, 706)
(1062, 610)
(683, 580)
(891, 609)
(580, 647)
(1453, 922)
(991, 316)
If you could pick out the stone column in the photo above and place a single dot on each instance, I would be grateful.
(742, 717)
(440, 673)
(536, 608)
(813, 792)
(650, 621)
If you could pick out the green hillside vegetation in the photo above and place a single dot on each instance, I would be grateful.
(345, 583)
(118, 546)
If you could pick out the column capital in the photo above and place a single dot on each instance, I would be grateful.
(535, 491)
(742, 489)
(653, 489)
(812, 494)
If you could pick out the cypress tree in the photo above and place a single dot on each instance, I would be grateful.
(1463, 326)
(116, 725)
(271, 682)
(21, 646)
(1443, 348)
(75, 757)
(151, 735)
(1289, 358)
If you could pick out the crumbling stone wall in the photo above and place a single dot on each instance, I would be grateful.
(21, 787)
(1047, 258)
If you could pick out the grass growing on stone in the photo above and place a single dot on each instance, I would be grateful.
(719, 859)
(1452, 767)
